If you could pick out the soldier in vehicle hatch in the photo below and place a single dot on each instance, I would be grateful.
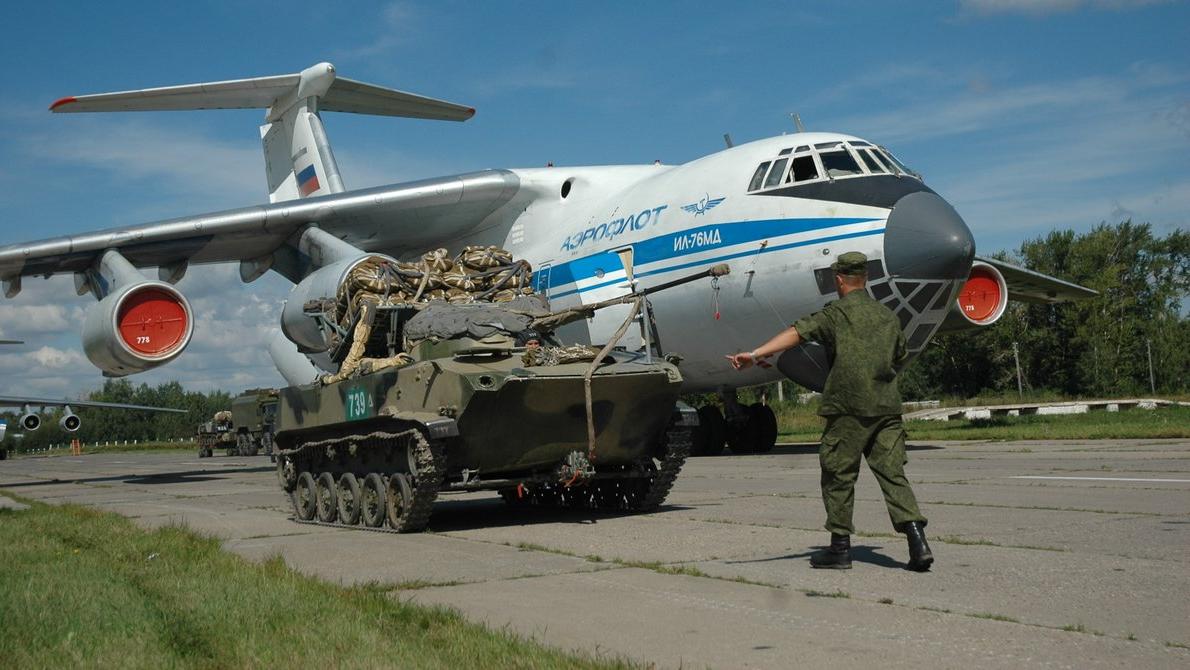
(862, 407)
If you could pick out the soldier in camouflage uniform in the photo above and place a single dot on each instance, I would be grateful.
(862, 407)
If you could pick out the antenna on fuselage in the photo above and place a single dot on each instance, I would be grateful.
(797, 122)
(727, 140)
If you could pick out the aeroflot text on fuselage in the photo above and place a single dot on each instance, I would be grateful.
(613, 229)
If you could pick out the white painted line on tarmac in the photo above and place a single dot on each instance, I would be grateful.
(1104, 479)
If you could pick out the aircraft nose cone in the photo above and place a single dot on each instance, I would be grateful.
(926, 238)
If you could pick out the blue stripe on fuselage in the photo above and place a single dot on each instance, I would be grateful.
(665, 247)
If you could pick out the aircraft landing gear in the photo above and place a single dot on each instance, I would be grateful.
(746, 429)
(711, 433)
(3, 454)
(751, 429)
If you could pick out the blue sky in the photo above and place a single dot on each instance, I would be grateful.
(1026, 115)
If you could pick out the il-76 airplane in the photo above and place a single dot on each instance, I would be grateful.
(778, 210)
(70, 422)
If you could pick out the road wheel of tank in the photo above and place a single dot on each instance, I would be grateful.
(764, 423)
(328, 501)
(372, 501)
(287, 473)
(305, 497)
(400, 505)
(711, 433)
(349, 499)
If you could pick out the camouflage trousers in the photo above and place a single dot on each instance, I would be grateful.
(880, 439)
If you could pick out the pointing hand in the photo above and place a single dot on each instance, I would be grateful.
(742, 360)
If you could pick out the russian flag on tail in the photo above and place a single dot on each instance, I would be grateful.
(308, 181)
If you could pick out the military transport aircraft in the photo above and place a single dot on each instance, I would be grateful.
(778, 210)
(70, 422)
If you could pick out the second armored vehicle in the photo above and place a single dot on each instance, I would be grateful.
(216, 434)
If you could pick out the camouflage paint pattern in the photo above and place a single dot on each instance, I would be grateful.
(509, 418)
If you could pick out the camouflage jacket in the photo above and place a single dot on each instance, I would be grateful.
(866, 348)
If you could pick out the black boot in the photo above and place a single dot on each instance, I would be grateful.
(920, 556)
(836, 557)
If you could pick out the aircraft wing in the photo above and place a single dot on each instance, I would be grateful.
(1029, 286)
(422, 213)
(20, 401)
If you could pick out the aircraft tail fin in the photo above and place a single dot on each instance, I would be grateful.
(298, 158)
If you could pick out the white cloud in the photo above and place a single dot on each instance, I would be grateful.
(1042, 7)
(184, 161)
(397, 22)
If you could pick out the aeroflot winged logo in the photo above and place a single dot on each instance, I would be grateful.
(703, 205)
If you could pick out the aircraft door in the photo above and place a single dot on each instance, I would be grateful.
(541, 279)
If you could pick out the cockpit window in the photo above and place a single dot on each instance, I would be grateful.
(803, 169)
(899, 164)
(873, 165)
(776, 173)
(840, 164)
(758, 176)
(838, 159)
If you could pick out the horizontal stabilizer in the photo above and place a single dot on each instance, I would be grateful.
(343, 95)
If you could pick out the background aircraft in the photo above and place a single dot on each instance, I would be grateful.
(70, 422)
(777, 209)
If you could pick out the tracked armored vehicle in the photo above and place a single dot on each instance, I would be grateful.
(437, 398)
(216, 434)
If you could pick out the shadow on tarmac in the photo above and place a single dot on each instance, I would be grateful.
(810, 448)
(860, 553)
(450, 515)
(157, 478)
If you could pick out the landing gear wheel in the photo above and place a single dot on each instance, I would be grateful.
(203, 452)
(373, 500)
(349, 499)
(305, 498)
(326, 498)
(741, 435)
(232, 451)
(3, 454)
(400, 503)
(764, 427)
(711, 433)
(286, 472)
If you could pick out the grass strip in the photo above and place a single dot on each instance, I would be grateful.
(87, 588)
(800, 424)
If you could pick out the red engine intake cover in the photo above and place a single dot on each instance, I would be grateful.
(981, 296)
(152, 322)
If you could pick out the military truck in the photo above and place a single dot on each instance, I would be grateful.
(254, 414)
(439, 398)
(216, 434)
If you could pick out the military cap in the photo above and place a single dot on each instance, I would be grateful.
(851, 263)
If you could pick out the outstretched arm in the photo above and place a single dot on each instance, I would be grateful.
(786, 339)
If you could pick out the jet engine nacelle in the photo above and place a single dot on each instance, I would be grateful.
(321, 284)
(137, 327)
(30, 422)
(70, 422)
(981, 300)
